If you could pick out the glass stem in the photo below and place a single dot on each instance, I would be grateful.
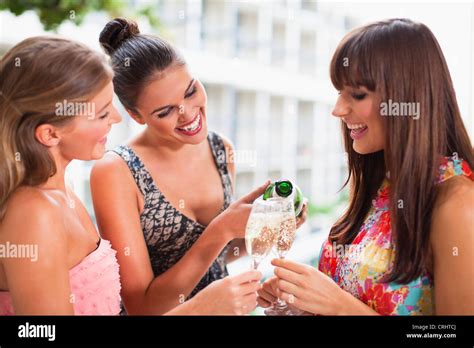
(281, 304)
(255, 263)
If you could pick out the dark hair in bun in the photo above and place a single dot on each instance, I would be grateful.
(136, 58)
(115, 32)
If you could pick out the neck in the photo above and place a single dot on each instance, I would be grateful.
(166, 148)
(57, 181)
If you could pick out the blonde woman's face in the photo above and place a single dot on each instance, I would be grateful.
(359, 108)
(86, 136)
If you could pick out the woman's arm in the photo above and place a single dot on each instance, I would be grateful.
(452, 243)
(237, 246)
(114, 195)
(236, 295)
(38, 285)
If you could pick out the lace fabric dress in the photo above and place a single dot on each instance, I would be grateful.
(168, 233)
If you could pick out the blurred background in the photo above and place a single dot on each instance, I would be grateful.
(265, 67)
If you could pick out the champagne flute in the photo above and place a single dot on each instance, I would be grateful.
(285, 237)
(262, 229)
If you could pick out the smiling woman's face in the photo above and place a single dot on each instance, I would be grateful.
(359, 108)
(173, 105)
(86, 136)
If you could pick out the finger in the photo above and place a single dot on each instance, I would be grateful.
(274, 284)
(270, 281)
(271, 289)
(248, 276)
(250, 197)
(249, 288)
(287, 275)
(270, 286)
(249, 303)
(267, 296)
(263, 302)
(305, 216)
(300, 221)
(289, 288)
(290, 265)
(290, 299)
(302, 217)
(304, 212)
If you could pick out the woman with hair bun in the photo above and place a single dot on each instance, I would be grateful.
(164, 197)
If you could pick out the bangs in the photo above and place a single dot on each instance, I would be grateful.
(352, 64)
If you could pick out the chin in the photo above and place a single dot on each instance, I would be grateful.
(97, 154)
(360, 150)
(365, 150)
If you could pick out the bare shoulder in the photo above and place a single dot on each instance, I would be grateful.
(110, 161)
(112, 184)
(110, 168)
(33, 216)
(229, 149)
(227, 142)
(453, 214)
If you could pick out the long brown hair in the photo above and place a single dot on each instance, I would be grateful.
(38, 73)
(401, 61)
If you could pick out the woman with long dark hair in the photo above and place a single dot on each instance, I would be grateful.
(404, 245)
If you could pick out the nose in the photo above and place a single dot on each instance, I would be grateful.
(115, 116)
(185, 113)
(342, 107)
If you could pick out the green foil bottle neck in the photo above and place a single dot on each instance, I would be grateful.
(283, 188)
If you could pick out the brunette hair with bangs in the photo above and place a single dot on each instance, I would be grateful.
(400, 60)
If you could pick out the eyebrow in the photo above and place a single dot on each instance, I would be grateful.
(168, 106)
(105, 106)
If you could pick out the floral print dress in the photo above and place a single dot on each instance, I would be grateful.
(360, 268)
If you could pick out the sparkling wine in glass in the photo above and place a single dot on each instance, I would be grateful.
(286, 234)
(262, 229)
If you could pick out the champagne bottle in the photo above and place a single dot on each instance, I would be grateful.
(285, 189)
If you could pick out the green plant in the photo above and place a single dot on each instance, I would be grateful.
(52, 13)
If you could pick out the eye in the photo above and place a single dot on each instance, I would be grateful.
(165, 113)
(104, 116)
(359, 96)
(191, 92)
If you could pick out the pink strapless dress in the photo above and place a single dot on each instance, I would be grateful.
(95, 284)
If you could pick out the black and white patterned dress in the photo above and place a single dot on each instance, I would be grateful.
(168, 233)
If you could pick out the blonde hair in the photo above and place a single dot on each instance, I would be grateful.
(38, 73)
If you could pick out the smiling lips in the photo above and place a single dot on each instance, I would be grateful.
(358, 130)
(193, 127)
